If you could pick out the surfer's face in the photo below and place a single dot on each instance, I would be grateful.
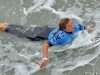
(69, 26)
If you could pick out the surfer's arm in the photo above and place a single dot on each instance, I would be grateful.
(45, 54)
(88, 28)
(45, 50)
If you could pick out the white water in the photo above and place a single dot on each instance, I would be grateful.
(22, 57)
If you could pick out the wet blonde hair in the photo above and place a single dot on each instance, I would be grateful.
(63, 22)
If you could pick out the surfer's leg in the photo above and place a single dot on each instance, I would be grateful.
(35, 33)
(17, 30)
(27, 32)
(21, 31)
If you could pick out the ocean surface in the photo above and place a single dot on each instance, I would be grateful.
(20, 56)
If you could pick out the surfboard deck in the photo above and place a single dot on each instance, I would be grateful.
(94, 42)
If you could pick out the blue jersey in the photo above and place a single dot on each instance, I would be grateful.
(62, 37)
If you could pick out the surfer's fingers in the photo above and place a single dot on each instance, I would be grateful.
(42, 65)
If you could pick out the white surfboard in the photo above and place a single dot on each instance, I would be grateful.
(94, 42)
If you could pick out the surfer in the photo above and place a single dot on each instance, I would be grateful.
(55, 36)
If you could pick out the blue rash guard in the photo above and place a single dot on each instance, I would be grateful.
(62, 37)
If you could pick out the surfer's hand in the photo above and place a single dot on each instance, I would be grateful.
(43, 63)
(89, 29)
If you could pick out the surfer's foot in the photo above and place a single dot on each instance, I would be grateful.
(3, 26)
